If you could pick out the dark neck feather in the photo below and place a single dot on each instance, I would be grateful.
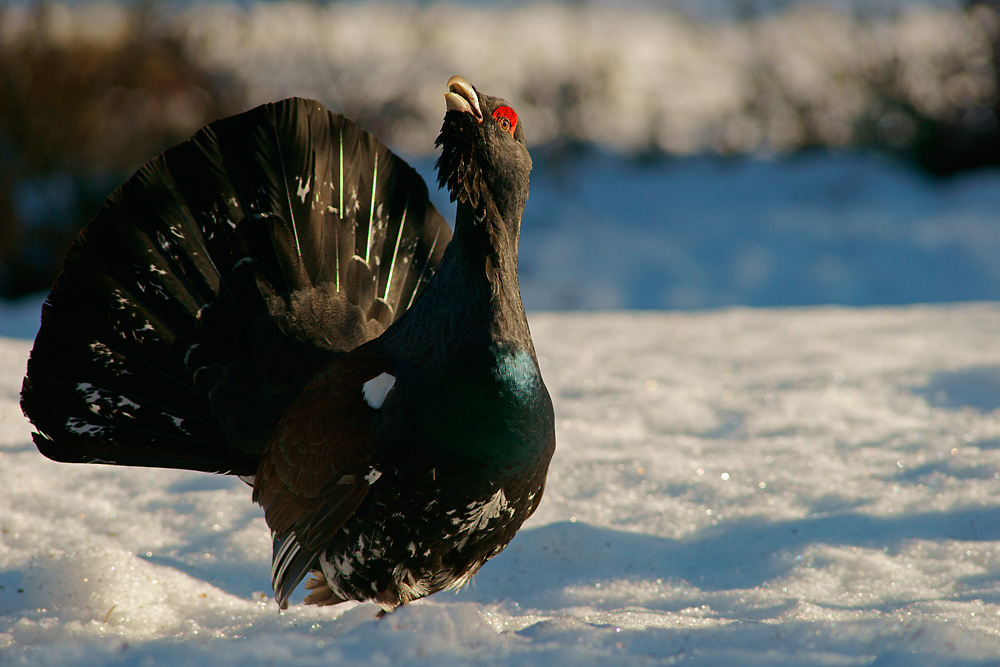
(474, 299)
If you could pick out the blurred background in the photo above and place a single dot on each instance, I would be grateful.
(688, 154)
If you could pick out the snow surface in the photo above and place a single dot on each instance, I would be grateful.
(737, 487)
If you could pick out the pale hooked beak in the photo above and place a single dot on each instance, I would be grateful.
(461, 96)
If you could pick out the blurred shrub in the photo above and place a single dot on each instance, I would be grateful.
(638, 79)
(79, 111)
(953, 127)
(89, 91)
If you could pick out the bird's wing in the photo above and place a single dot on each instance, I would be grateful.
(319, 466)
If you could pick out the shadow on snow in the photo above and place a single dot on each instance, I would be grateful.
(543, 565)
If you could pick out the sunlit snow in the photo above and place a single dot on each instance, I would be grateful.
(752, 487)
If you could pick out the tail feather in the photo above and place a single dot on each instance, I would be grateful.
(215, 282)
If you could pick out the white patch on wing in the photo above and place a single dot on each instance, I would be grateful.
(372, 476)
(286, 553)
(376, 389)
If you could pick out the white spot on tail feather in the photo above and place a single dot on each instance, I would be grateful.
(127, 403)
(178, 423)
(80, 427)
(91, 394)
(108, 358)
(371, 210)
(303, 188)
(376, 389)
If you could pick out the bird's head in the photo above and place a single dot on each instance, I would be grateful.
(484, 161)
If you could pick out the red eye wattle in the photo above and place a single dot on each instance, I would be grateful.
(507, 118)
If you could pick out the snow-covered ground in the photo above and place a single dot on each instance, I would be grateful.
(737, 487)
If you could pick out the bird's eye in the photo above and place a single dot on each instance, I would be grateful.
(507, 119)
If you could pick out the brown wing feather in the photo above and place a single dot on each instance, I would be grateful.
(321, 443)
(312, 479)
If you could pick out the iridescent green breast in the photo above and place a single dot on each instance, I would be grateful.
(489, 405)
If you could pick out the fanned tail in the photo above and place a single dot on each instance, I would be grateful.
(214, 283)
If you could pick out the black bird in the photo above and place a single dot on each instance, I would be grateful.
(276, 298)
